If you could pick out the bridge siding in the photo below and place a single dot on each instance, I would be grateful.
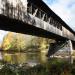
(18, 12)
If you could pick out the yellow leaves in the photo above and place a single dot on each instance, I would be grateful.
(7, 47)
(20, 42)
(7, 57)
(7, 40)
(6, 44)
(43, 46)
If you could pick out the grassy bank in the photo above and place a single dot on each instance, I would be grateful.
(52, 67)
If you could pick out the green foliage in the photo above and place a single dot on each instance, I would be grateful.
(49, 68)
(14, 41)
(20, 42)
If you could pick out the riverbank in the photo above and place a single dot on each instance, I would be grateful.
(51, 67)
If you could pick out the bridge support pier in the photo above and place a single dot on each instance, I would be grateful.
(62, 45)
(70, 51)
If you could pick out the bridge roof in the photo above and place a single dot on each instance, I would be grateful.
(41, 5)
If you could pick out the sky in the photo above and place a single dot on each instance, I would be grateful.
(2, 34)
(65, 9)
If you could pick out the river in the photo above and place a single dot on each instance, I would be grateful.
(32, 58)
(20, 57)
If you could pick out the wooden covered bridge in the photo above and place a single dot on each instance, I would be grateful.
(34, 17)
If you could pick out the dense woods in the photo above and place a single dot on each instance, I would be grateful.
(21, 42)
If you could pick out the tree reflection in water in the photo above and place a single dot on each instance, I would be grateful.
(32, 67)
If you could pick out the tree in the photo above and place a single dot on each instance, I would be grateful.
(7, 40)
(16, 42)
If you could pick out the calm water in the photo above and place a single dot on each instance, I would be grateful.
(32, 58)
(20, 58)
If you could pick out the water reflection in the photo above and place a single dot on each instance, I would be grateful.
(32, 58)
(32, 63)
(20, 58)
